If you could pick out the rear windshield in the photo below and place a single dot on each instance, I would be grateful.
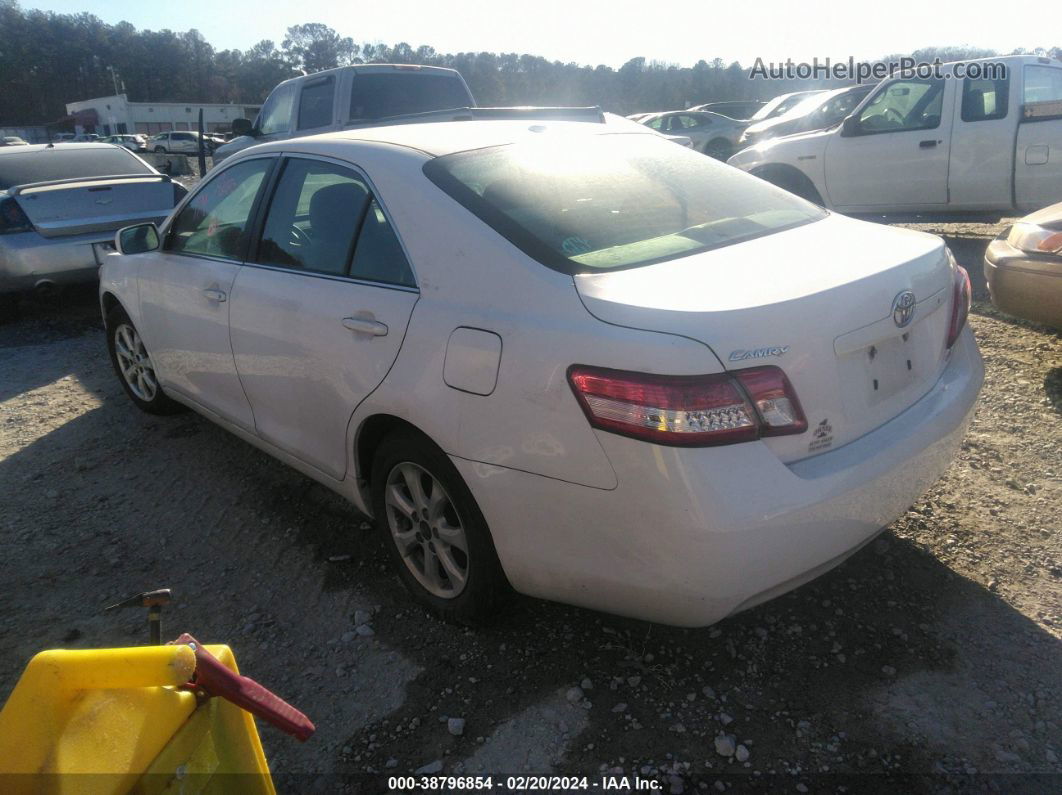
(66, 162)
(589, 203)
(378, 95)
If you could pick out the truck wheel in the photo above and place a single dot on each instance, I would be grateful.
(793, 181)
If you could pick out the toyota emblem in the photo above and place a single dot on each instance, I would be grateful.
(903, 308)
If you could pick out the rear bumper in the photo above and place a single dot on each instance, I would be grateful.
(690, 536)
(28, 259)
(1023, 285)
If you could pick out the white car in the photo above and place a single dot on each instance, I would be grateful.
(987, 143)
(179, 142)
(568, 357)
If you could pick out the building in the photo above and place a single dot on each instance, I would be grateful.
(116, 114)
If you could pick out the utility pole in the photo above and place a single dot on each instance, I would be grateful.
(114, 79)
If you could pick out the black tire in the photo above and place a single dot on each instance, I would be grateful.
(160, 150)
(794, 182)
(485, 587)
(158, 402)
(719, 148)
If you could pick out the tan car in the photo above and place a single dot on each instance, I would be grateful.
(1023, 267)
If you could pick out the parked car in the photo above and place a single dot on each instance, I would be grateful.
(710, 133)
(13, 140)
(134, 143)
(817, 112)
(1023, 267)
(63, 138)
(180, 142)
(939, 146)
(783, 103)
(349, 96)
(739, 110)
(85, 138)
(60, 204)
(599, 368)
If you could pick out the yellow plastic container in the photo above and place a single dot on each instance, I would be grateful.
(113, 721)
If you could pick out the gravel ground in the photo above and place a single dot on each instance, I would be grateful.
(928, 662)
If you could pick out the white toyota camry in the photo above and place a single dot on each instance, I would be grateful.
(577, 360)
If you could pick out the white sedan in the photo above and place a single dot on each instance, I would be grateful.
(564, 357)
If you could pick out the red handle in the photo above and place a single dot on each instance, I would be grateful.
(214, 678)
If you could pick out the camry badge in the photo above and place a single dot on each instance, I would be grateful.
(903, 308)
(741, 355)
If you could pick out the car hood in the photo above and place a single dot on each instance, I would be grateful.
(232, 147)
(1050, 217)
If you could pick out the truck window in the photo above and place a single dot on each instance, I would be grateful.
(377, 95)
(904, 105)
(1042, 84)
(275, 116)
(984, 99)
(315, 103)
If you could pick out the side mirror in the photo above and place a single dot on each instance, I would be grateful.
(242, 127)
(850, 126)
(137, 239)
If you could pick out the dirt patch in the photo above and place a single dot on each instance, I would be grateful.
(929, 660)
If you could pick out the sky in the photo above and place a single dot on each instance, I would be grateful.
(612, 31)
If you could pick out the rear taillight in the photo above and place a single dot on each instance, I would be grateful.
(689, 410)
(960, 304)
(12, 219)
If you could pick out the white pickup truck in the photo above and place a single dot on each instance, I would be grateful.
(947, 144)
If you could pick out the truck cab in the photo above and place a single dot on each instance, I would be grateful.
(348, 96)
(970, 140)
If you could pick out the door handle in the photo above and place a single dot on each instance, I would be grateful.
(215, 295)
(927, 144)
(365, 325)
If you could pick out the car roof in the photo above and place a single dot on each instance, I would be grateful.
(443, 138)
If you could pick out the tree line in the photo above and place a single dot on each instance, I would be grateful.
(49, 59)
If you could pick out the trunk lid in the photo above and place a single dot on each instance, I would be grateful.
(94, 204)
(817, 301)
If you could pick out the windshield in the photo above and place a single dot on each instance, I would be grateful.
(377, 95)
(779, 105)
(67, 162)
(805, 105)
(589, 203)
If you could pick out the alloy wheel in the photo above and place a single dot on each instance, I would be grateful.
(135, 363)
(427, 530)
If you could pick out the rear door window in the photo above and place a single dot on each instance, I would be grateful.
(315, 103)
(214, 222)
(984, 99)
(378, 256)
(323, 218)
(313, 217)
